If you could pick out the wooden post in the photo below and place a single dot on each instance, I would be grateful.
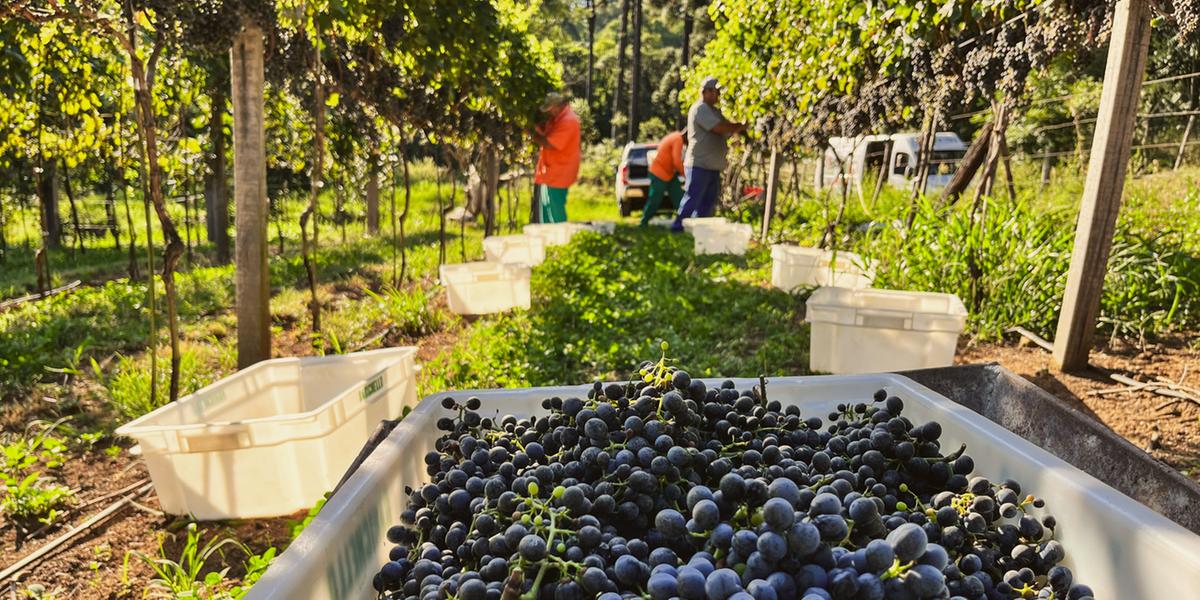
(250, 196)
(772, 191)
(969, 165)
(216, 194)
(373, 194)
(1187, 132)
(622, 40)
(635, 74)
(1105, 177)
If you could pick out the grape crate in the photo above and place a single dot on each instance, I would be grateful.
(668, 488)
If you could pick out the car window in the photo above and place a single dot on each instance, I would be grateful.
(637, 153)
(901, 163)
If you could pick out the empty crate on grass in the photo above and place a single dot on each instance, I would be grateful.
(796, 266)
(480, 288)
(554, 234)
(869, 330)
(693, 222)
(721, 238)
(271, 439)
(528, 250)
(601, 227)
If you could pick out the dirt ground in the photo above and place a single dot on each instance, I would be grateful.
(1167, 428)
(111, 560)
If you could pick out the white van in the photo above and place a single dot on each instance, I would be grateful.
(863, 155)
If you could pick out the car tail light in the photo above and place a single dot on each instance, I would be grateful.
(625, 174)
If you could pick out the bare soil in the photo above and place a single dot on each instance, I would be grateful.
(111, 561)
(1167, 428)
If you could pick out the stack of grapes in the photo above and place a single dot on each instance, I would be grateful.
(666, 488)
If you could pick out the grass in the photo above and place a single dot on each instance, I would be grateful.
(602, 303)
(31, 498)
(52, 342)
(128, 384)
(189, 576)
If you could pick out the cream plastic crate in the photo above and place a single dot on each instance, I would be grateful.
(554, 234)
(691, 223)
(721, 238)
(797, 266)
(601, 227)
(520, 249)
(480, 288)
(1119, 547)
(271, 439)
(869, 330)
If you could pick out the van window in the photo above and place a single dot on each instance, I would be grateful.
(901, 163)
(637, 153)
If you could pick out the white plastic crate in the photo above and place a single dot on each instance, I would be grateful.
(520, 249)
(691, 223)
(601, 227)
(869, 330)
(271, 439)
(721, 238)
(797, 266)
(554, 234)
(1117, 546)
(480, 288)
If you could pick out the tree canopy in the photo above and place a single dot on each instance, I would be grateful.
(806, 71)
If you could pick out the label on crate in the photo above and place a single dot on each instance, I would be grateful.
(355, 562)
(371, 387)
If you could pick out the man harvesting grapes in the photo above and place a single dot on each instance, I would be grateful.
(558, 160)
(665, 174)
(704, 158)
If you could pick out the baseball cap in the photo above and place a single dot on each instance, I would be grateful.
(553, 99)
(710, 83)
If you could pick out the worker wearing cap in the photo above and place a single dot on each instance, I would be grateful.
(704, 157)
(558, 160)
(665, 174)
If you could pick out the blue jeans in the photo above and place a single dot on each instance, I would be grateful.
(699, 196)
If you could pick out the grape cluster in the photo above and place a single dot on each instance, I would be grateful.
(667, 488)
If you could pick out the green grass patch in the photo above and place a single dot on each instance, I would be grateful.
(602, 303)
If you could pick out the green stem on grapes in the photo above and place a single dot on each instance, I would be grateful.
(896, 569)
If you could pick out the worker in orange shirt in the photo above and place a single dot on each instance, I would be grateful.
(558, 160)
(666, 174)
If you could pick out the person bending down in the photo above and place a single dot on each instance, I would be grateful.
(665, 174)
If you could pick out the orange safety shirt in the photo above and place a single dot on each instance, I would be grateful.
(668, 163)
(558, 161)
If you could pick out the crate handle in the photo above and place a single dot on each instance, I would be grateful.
(883, 319)
(214, 442)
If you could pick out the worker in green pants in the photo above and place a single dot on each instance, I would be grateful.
(665, 173)
(553, 202)
(558, 160)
